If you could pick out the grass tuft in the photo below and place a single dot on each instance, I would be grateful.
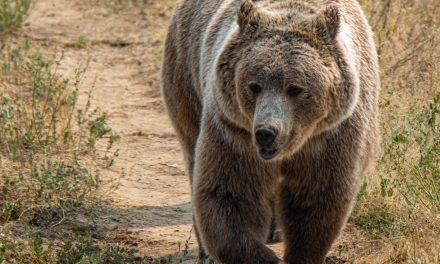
(12, 14)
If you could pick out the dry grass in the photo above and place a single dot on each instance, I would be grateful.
(399, 205)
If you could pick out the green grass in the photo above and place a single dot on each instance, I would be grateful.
(80, 43)
(12, 14)
(83, 250)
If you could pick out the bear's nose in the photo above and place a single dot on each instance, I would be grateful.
(265, 136)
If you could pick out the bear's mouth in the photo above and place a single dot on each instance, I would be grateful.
(268, 154)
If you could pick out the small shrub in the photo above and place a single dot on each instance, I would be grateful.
(13, 14)
(412, 159)
(39, 133)
(46, 140)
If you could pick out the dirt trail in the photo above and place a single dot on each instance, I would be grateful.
(151, 210)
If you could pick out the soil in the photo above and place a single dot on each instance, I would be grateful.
(150, 211)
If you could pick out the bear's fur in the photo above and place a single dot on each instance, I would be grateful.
(274, 102)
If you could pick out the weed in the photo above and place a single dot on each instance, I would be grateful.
(80, 43)
(13, 14)
(412, 159)
(85, 251)
(81, 250)
(375, 216)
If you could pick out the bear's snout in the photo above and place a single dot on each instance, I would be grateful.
(266, 141)
(265, 136)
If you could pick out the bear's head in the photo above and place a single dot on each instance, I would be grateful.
(286, 77)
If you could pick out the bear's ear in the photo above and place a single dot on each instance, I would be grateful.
(327, 24)
(248, 17)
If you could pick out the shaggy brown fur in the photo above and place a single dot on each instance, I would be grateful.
(273, 102)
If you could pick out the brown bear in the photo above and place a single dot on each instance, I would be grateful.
(274, 103)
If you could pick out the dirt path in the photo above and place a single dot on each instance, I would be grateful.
(151, 210)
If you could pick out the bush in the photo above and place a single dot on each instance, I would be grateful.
(46, 140)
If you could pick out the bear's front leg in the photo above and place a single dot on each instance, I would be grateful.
(229, 198)
(312, 221)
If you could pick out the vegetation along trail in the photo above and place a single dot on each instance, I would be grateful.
(122, 48)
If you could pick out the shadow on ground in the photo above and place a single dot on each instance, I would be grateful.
(147, 216)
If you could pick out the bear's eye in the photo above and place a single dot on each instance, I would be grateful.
(294, 91)
(255, 88)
